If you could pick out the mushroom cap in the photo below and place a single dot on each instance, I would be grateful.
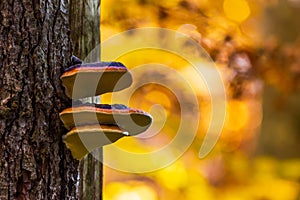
(134, 121)
(93, 79)
(84, 139)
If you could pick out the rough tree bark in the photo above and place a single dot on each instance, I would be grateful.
(85, 26)
(35, 47)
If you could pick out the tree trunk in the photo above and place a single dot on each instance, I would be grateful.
(85, 26)
(35, 47)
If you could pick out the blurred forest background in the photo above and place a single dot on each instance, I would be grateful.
(256, 46)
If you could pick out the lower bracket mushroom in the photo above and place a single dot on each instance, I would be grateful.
(84, 139)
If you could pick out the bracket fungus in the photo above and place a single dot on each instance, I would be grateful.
(93, 79)
(95, 125)
(83, 139)
(134, 121)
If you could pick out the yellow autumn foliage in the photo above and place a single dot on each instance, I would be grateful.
(230, 171)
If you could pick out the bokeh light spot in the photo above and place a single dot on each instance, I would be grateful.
(237, 10)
